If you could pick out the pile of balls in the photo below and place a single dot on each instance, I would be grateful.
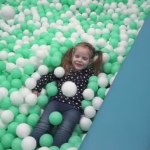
(34, 36)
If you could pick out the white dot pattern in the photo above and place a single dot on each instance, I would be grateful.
(80, 78)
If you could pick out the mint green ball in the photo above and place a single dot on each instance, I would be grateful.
(46, 140)
(16, 83)
(51, 89)
(107, 67)
(7, 140)
(82, 9)
(113, 42)
(33, 119)
(35, 109)
(92, 6)
(12, 128)
(133, 25)
(68, 43)
(113, 57)
(85, 103)
(6, 84)
(115, 67)
(2, 133)
(2, 66)
(55, 118)
(16, 144)
(101, 92)
(55, 61)
(42, 100)
(1, 147)
(2, 78)
(65, 146)
(93, 86)
(16, 73)
(75, 139)
(21, 118)
(5, 103)
(14, 109)
(93, 79)
(54, 148)
(29, 69)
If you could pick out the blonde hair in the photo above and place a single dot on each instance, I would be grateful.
(96, 56)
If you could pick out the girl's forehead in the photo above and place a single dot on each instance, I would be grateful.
(82, 49)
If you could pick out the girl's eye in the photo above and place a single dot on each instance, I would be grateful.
(77, 56)
(85, 58)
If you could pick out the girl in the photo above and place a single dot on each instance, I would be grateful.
(80, 62)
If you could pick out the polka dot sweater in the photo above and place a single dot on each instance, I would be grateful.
(80, 78)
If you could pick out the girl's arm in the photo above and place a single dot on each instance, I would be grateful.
(41, 83)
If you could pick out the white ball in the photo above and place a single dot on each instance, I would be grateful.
(7, 116)
(43, 148)
(16, 98)
(101, 42)
(24, 109)
(106, 57)
(23, 130)
(88, 94)
(102, 81)
(59, 72)
(85, 123)
(42, 70)
(28, 143)
(31, 99)
(97, 102)
(69, 88)
(3, 55)
(89, 112)
(3, 92)
(72, 148)
(36, 76)
(7, 12)
(24, 91)
(30, 83)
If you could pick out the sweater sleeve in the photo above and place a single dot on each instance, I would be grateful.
(45, 79)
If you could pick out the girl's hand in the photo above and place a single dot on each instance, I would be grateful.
(36, 93)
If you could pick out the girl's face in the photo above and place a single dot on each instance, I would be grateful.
(81, 58)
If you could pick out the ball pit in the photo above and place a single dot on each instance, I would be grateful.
(33, 42)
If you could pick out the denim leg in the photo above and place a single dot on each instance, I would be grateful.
(70, 120)
(43, 125)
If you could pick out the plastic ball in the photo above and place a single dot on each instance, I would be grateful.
(89, 112)
(102, 81)
(72, 148)
(7, 116)
(59, 72)
(33, 119)
(42, 70)
(16, 144)
(16, 98)
(4, 92)
(23, 130)
(97, 102)
(7, 140)
(55, 118)
(88, 94)
(24, 109)
(30, 83)
(85, 123)
(69, 88)
(36, 76)
(7, 12)
(28, 143)
(51, 89)
(43, 148)
(31, 99)
(46, 140)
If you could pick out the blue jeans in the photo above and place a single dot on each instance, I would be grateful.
(71, 118)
